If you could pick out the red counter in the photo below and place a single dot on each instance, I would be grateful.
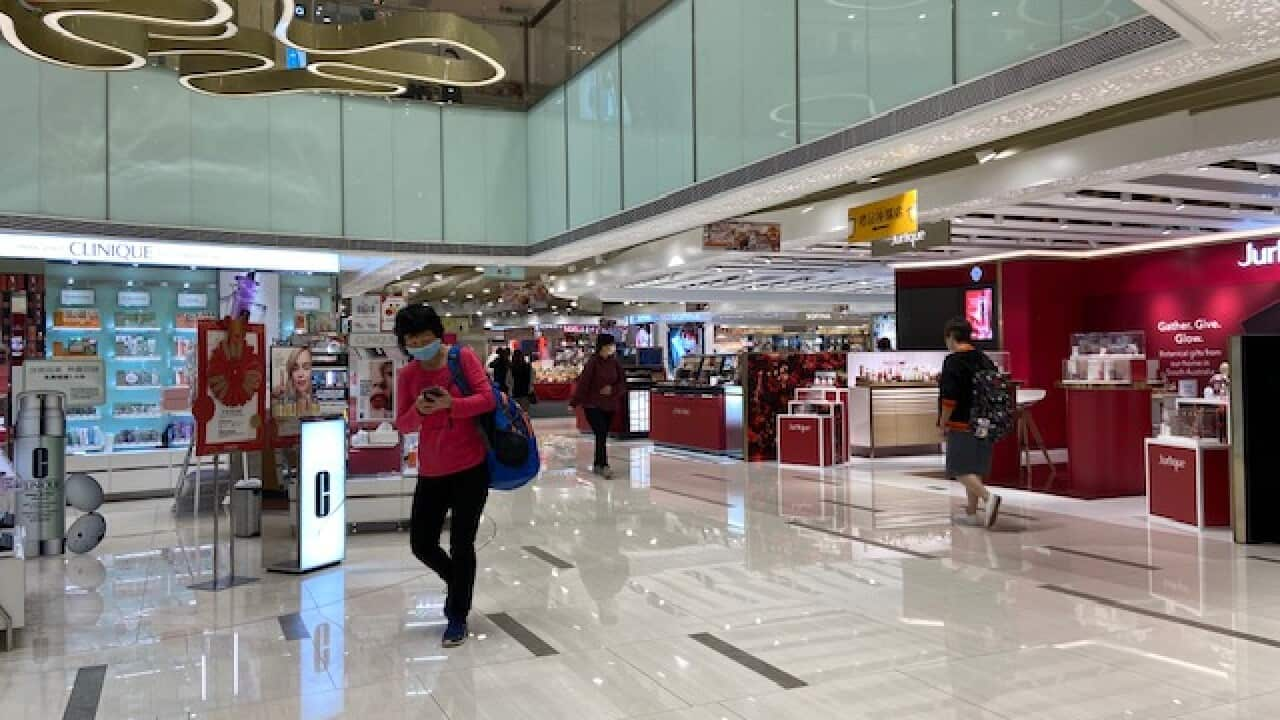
(1189, 480)
(703, 421)
(1107, 427)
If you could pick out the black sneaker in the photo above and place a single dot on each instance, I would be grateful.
(993, 509)
(455, 634)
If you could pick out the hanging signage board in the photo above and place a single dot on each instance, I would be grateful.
(231, 389)
(193, 300)
(742, 236)
(133, 298)
(82, 380)
(897, 215)
(932, 235)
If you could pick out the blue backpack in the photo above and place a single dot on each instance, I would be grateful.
(508, 435)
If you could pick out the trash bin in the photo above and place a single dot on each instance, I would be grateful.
(246, 509)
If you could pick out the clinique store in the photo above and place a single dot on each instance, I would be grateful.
(136, 305)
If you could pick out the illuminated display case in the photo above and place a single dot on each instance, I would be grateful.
(141, 321)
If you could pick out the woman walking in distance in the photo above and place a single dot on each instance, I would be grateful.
(968, 456)
(599, 388)
(453, 476)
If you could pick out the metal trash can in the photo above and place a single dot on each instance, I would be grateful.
(246, 509)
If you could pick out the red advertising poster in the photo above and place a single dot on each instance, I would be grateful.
(978, 305)
(231, 400)
(772, 379)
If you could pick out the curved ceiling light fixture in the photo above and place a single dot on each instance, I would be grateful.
(217, 56)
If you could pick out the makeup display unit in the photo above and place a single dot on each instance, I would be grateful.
(702, 409)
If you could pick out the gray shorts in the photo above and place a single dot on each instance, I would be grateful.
(967, 455)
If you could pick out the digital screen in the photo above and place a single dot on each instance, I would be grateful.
(980, 312)
(322, 493)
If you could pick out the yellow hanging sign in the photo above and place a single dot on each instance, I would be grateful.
(898, 215)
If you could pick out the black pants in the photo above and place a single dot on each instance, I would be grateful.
(462, 495)
(600, 421)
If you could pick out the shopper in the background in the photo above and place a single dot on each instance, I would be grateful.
(501, 367)
(884, 344)
(522, 379)
(968, 456)
(599, 388)
(453, 475)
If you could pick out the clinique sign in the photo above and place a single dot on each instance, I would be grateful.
(1260, 256)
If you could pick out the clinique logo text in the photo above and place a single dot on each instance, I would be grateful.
(802, 429)
(110, 250)
(1260, 256)
(1177, 464)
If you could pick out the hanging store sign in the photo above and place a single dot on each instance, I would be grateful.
(172, 254)
(898, 215)
(933, 235)
(742, 236)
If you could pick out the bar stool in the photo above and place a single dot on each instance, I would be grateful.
(1029, 433)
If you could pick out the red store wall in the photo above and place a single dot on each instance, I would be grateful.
(1188, 302)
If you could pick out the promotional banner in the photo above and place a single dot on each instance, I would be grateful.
(366, 314)
(375, 382)
(322, 493)
(683, 340)
(742, 236)
(772, 379)
(81, 380)
(292, 394)
(230, 406)
(391, 304)
(883, 219)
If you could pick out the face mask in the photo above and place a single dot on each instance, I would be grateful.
(426, 352)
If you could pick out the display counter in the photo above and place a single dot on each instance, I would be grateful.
(1189, 480)
(553, 391)
(702, 418)
(894, 418)
(1107, 425)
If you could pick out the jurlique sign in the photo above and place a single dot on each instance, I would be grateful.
(1260, 257)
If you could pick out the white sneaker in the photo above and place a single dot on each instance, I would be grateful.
(993, 509)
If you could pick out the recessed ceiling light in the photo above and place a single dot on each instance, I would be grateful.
(479, 269)
(853, 16)
(438, 277)
(807, 210)
(995, 13)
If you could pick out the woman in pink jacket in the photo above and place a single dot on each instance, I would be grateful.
(452, 472)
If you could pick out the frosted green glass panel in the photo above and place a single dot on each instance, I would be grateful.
(20, 134)
(745, 98)
(485, 163)
(657, 105)
(306, 164)
(506, 172)
(595, 142)
(1082, 18)
(73, 143)
(416, 172)
(993, 34)
(548, 169)
(367, 159)
(833, 67)
(230, 163)
(149, 141)
(910, 51)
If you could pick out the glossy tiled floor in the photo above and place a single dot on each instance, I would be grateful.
(698, 590)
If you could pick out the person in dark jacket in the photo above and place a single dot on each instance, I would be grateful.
(598, 392)
(521, 379)
(968, 456)
(501, 367)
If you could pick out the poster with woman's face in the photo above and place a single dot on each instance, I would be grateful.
(376, 378)
(292, 396)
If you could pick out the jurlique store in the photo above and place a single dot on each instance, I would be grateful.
(1146, 371)
(135, 304)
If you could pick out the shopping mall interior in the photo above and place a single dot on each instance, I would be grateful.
(229, 434)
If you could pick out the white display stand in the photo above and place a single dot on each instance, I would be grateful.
(320, 506)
